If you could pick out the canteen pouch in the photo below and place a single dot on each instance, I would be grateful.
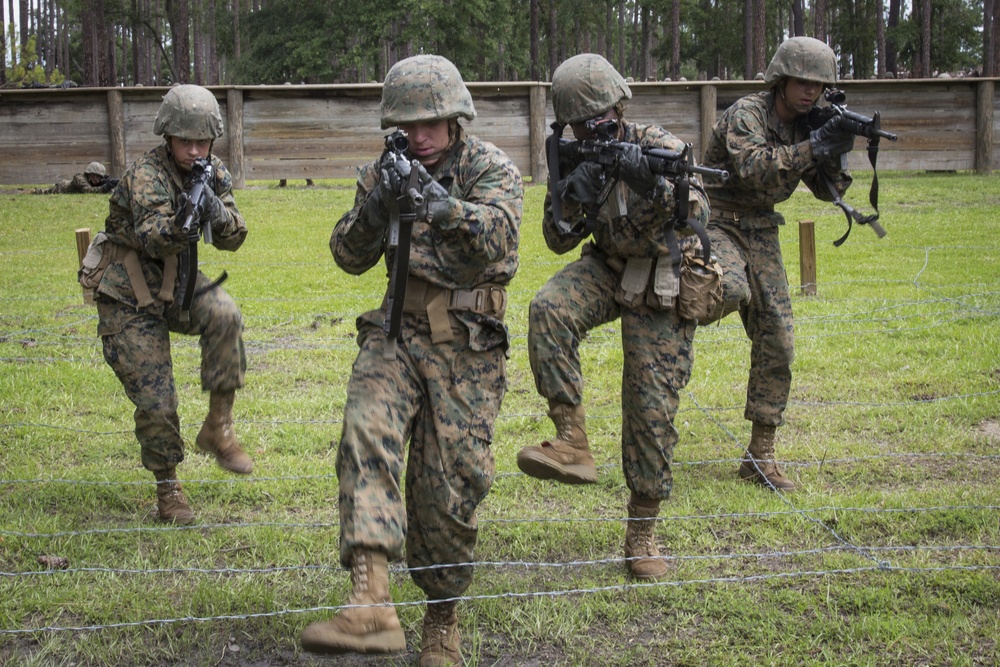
(94, 262)
(700, 295)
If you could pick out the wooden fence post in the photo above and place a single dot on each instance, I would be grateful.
(807, 257)
(984, 127)
(234, 116)
(709, 98)
(536, 133)
(116, 132)
(82, 243)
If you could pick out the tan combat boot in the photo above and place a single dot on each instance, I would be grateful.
(440, 645)
(758, 463)
(360, 629)
(640, 542)
(170, 500)
(217, 437)
(566, 459)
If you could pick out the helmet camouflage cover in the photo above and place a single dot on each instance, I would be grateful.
(189, 112)
(424, 88)
(586, 86)
(803, 58)
(96, 168)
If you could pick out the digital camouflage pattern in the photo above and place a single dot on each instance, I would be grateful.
(441, 398)
(190, 112)
(803, 58)
(646, 230)
(96, 168)
(78, 185)
(586, 86)
(424, 88)
(766, 159)
(657, 345)
(143, 216)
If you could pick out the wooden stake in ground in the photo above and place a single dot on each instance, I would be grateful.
(807, 257)
(82, 243)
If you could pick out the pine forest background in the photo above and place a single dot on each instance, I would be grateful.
(161, 42)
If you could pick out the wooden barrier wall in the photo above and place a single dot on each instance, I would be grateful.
(298, 132)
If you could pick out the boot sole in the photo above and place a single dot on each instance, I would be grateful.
(390, 641)
(540, 466)
(222, 462)
(749, 474)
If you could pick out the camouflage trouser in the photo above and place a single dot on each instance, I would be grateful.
(657, 355)
(137, 347)
(443, 398)
(751, 264)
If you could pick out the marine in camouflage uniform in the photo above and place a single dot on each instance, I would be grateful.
(765, 144)
(138, 298)
(93, 180)
(631, 243)
(440, 387)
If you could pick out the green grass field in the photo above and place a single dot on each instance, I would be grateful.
(889, 554)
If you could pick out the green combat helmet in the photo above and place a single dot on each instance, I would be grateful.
(95, 168)
(189, 112)
(424, 88)
(586, 86)
(803, 58)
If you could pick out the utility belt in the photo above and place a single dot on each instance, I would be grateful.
(748, 216)
(103, 252)
(438, 304)
(687, 283)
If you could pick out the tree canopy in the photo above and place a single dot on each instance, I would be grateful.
(159, 42)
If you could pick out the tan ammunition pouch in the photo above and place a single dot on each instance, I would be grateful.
(700, 295)
(635, 287)
(103, 252)
(696, 294)
(438, 303)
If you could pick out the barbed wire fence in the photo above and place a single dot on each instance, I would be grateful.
(72, 342)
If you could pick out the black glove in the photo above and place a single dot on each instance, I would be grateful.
(213, 210)
(108, 184)
(436, 205)
(582, 185)
(381, 204)
(831, 140)
(635, 170)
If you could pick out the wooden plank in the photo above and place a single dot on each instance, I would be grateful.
(325, 131)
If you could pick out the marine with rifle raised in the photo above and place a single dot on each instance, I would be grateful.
(771, 142)
(442, 209)
(144, 269)
(642, 262)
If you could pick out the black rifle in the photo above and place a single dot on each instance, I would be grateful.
(606, 150)
(396, 165)
(107, 184)
(861, 126)
(194, 227)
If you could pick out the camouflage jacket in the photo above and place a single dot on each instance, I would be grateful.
(644, 228)
(478, 244)
(143, 217)
(766, 159)
(78, 185)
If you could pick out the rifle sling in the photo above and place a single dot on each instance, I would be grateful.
(850, 212)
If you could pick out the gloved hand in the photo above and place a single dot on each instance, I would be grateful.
(381, 203)
(831, 140)
(635, 170)
(582, 185)
(436, 206)
(214, 211)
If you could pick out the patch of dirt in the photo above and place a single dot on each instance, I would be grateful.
(990, 429)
